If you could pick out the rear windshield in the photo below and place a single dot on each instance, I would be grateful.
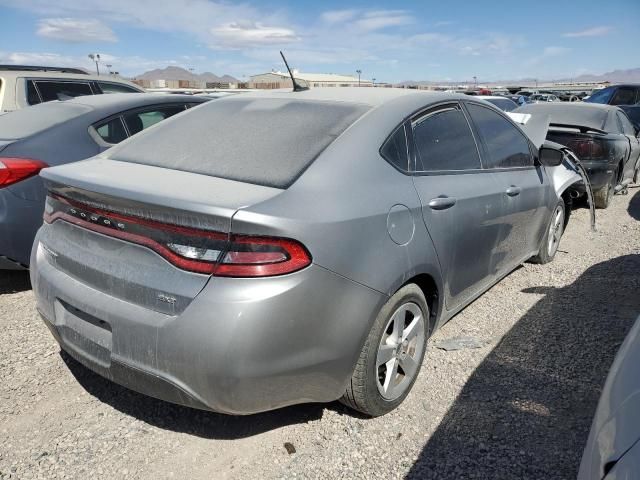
(31, 120)
(264, 141)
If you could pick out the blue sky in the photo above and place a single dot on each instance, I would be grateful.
(390, 41)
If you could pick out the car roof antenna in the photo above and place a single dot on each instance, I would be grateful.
(297, 87)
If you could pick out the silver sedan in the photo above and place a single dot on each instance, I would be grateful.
(274, 248)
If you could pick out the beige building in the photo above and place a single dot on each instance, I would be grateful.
(275, 80)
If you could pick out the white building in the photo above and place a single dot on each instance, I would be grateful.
(275, 80)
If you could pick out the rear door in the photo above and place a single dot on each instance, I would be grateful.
(461, 202)
(523, 185)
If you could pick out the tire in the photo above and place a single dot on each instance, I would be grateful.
(602, 197)
(375, 387)
(553, 235)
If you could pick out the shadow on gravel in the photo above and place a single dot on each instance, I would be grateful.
(634, 205)
(14, 281)
(181, 419)
(526, 411)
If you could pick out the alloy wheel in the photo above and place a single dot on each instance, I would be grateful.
(400, 351)
(555, 230)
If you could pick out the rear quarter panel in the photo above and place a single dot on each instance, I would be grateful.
(339, 209)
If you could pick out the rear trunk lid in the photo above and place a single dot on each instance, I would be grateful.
(90, 197)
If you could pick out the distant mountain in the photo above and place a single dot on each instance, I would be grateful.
(177, 73)
(631, 75)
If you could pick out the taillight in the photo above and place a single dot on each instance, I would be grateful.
(192, 249)
(587, 148)
(13, 170)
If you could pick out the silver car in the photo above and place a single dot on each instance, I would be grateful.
(275, 248)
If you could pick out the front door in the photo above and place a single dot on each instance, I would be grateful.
(461, 203)
(507, 152)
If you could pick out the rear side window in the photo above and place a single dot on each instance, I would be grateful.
(444, 142)
(264, 141)
(62, 90)
(505, 145)
(624, 96)
(116, 88)
(394, 149)
(112, 131)
(138, 121)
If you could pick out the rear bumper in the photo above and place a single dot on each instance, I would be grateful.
(241, 346)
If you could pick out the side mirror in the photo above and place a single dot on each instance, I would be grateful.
(550, 157)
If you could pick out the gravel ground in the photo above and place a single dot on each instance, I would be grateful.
(518, 406)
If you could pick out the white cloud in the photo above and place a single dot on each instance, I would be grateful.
(338, 16)
(547, 54)
(555, 51)
(75, 30)
(590, 32)
(129, 64)
(244, 34)
(379, 19)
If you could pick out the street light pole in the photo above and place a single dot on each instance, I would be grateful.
(96, 58)
(359, 72)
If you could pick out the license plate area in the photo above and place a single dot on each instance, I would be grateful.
(86, 335)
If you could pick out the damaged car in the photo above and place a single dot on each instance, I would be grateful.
(280, 247)
(601, 136)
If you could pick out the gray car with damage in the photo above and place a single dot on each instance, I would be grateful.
(284, 247)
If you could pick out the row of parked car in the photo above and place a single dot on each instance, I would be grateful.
(176, 251)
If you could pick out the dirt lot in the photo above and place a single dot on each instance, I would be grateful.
(519, 406)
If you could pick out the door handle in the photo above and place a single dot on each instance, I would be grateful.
(442, 203)
(513, 191)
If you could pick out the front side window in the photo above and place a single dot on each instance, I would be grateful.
(394, 149)
(62, 90)
(601, 96)
(138, 121)
(108, 87)
(506, 146)
(444, 142)
(624, 96)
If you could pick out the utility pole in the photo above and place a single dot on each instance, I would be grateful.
(359, 72)
(96, 58)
